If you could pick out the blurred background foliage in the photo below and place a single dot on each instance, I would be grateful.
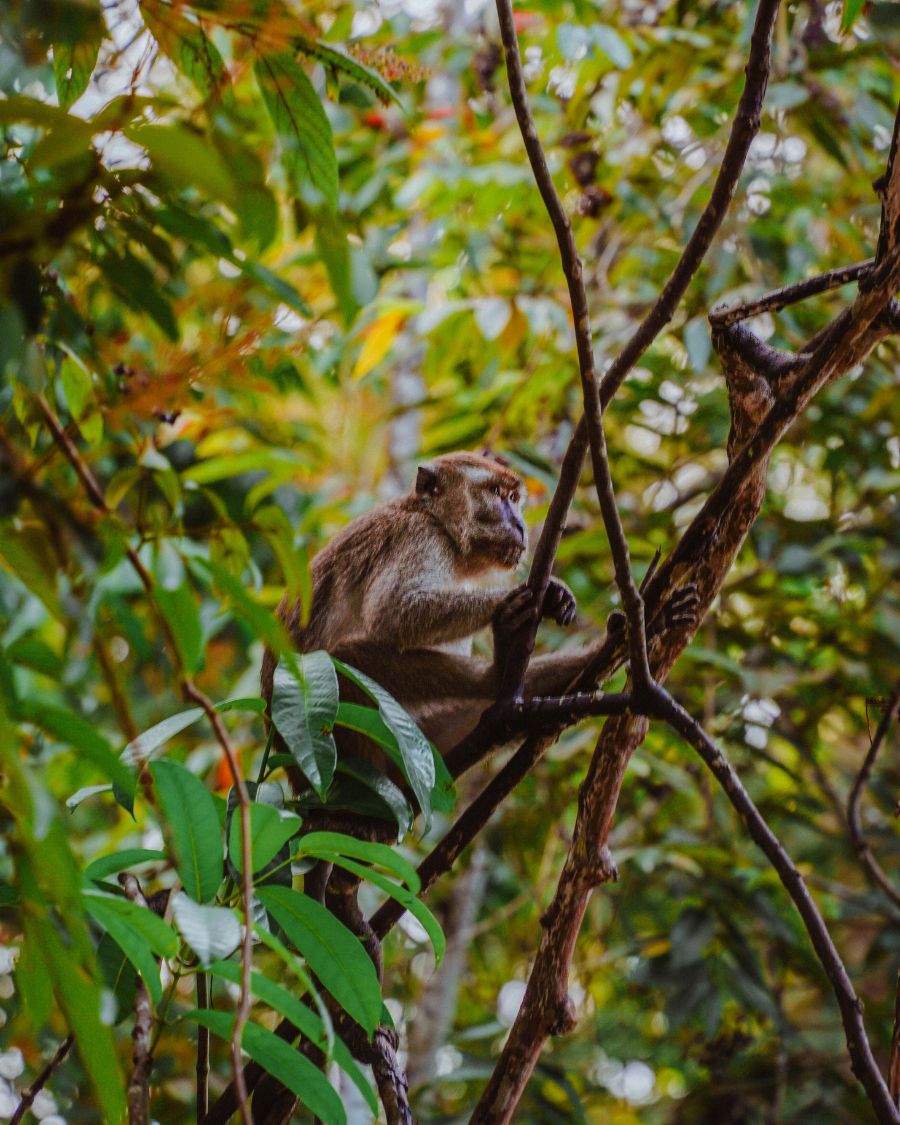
(260, 256)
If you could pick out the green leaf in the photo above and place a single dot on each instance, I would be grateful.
(142, 748)
(233, 464)
(188, 158)
(382, 786)
(73, 65)
(270, 829)
(334, 250)
(183, 615)
(252, 703)
(415, 749)
(60, 951)
(306, 1021)
(186, 44)
(612, 45)
(24, 559)
(83, 736)
(415, 906)
(134, 282)
(332, 952)
(302, 128)
(193, 825)
(121, 861)
(337, 59)
(368, 721)
(119, 974)
(331, 845)
(86, 791)
(280, 1060)
(304, 708)
(852, 9)
(211, 931)
(81, 1006)
(137, 931)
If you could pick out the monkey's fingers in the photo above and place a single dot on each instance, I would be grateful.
(515, 610)
(559, 603)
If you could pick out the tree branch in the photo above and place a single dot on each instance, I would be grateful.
(744, 128)
(138, 1092)
(723, 316)
(26, 1101)
(863, 851)
(862, 1061)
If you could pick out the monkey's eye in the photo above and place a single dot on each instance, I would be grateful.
(495, 488)
(514, 496)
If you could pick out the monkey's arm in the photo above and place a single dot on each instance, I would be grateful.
(422, 615)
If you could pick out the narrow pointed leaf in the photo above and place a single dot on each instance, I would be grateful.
(192, 824)
(331, 951)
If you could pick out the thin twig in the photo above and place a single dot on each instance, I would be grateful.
(202, 1049)
(723, 316)
(894, 1062)
(514, 673)
(191, 691)
(863, 851)
(27, 1098)
(862, 1060)
(138, 1092)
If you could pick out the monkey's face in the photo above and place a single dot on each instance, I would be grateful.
(479, 502)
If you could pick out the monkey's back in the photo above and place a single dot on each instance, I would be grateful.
(398, 539)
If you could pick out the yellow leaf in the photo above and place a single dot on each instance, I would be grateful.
(377, 339)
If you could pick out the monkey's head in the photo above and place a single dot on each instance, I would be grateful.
(477, 501)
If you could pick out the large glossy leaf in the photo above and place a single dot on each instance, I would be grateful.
(280, 1060)
(211, 931)
(270, 830)
(192, 824)
(415, 749)
(333, 953)
(143, 748)
(304, 708)
(417, 908)
(384, 789)
(331, 845)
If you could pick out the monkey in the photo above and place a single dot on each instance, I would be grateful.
(402, 591)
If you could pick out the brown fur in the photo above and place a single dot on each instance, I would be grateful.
(395, 595)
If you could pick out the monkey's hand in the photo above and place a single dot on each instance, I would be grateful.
(559, 603)
(517, 609)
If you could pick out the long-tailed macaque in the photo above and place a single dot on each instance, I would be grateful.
(401, 592)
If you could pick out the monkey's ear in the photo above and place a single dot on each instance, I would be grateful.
(426, 481)
(498, 458)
